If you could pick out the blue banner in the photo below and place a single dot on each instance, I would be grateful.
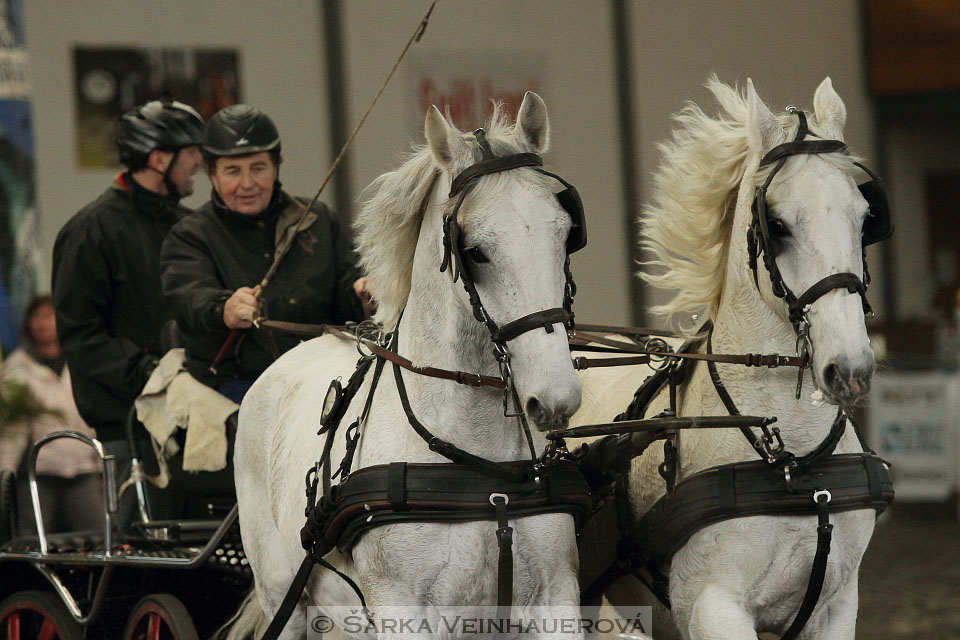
(19, 239)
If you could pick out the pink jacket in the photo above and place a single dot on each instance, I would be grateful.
(63, 457)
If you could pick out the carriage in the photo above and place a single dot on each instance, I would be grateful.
(174, 579)
(444, 497)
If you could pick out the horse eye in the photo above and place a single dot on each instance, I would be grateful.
(476, 255)
(778, 229)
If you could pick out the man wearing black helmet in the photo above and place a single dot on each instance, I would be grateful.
(106, 273)
(212, 261)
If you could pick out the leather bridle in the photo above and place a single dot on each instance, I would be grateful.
(453, 259)
(760, 241)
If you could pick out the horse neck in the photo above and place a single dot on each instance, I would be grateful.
(438, 329)
(744, 323)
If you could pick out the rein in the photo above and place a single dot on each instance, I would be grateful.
(747, 359)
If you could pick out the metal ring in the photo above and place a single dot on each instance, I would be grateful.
(658, 362)
(821, 492)
(360, 345)
(494, 496)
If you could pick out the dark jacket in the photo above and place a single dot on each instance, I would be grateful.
(109, 303)
(216, 251)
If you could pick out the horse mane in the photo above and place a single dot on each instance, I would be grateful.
(687, 227)
(388, 224)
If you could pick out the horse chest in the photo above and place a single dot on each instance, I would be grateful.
(768, 560)
(456, 561)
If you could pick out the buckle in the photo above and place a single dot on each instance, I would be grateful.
(787, 477)
(822, 493)
(769, 449)
(494, 496)
(779, 361)
(804, 349)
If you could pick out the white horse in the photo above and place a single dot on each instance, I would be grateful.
(743, 576)
(514, 235)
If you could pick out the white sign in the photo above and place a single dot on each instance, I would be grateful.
(14, 74)
(914, 422)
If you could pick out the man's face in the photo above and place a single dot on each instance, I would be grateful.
(245, 183)
(188, 162)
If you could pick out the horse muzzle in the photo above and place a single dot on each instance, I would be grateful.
(846, 385)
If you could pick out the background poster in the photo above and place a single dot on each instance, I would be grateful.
(110, 81)
(19, 236)
(466, 85)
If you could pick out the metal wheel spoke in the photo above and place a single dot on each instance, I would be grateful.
(13, 626)
(153, 626)
(48, 631)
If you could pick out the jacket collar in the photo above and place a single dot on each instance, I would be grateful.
(143, 200)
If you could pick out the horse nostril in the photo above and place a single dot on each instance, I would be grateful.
(830, 376)
(535, 410)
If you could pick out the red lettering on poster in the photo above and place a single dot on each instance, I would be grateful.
(511, 100)
(460, 101)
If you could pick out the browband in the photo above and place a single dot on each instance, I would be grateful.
(496, 165)
(802, 146)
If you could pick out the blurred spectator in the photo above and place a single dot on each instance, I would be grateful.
(68, 471)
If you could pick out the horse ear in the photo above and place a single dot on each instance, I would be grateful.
(441, 137)
(830, 110)
(533, 125)
(765, 130)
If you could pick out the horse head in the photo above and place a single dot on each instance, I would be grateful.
(507, 239)
(809, 222)
(492, 221)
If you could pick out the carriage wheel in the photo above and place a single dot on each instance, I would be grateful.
(160, 616)
(8, 505)
(37, 615)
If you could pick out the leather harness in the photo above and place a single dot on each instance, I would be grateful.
(469, 487)
(781, 483)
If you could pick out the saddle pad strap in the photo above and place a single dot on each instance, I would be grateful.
(505, 560)
(397, 485)
(819, 570)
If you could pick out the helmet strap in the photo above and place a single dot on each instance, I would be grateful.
(167, 182)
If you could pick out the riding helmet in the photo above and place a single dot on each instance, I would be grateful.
(159, 124)
(240, 130)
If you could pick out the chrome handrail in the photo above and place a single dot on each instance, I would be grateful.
(109, 466)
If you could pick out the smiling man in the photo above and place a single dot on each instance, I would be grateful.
(106, 270)
(212, 261)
